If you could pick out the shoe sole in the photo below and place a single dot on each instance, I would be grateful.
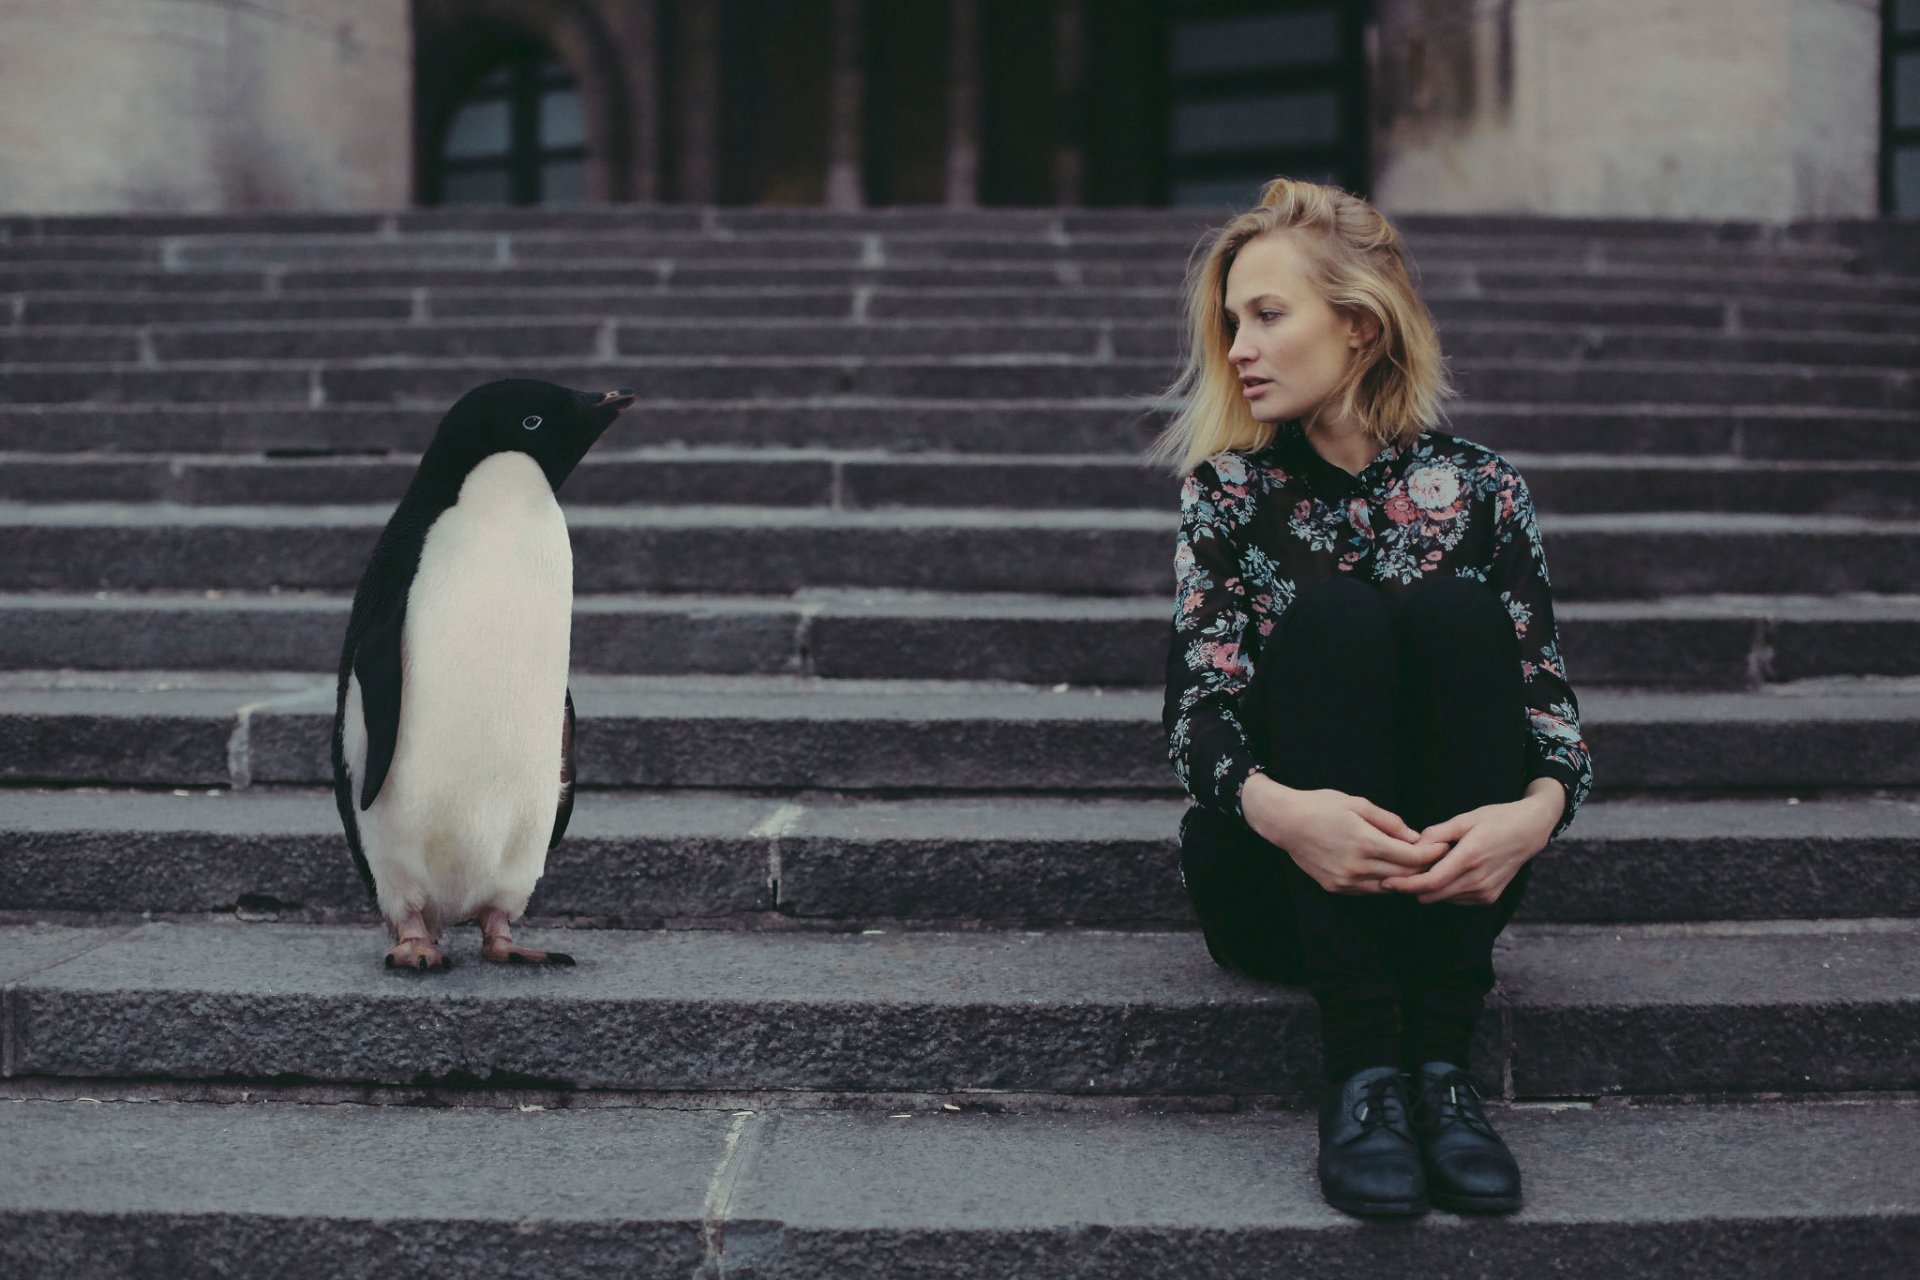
(1377, 1208)
(1475, 1204)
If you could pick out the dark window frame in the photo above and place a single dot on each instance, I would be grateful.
(1350, 158)
(1893, 43)
(531, 72)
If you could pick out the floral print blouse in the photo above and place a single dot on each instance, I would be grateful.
(1256, 527)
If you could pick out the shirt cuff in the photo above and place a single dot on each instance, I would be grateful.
(1569, 780)
(1231, 782)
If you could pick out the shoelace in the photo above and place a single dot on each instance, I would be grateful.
(1371, 1109)
(1455, 1092)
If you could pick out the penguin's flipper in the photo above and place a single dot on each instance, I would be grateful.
(376, 662)
(565, 814)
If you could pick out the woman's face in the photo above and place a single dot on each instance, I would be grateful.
(1290, 348)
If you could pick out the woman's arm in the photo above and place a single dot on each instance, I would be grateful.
(1206, 666)
(1555, 747)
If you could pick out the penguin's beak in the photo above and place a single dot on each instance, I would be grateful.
(616, 400)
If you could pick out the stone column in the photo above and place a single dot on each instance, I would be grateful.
(963, 106)
(847, 106)
(699, 103)
(1763, 109)
(197, 105)
(1069, 157)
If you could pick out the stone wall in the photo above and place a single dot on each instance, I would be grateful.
(203, 105)
(1739, 108)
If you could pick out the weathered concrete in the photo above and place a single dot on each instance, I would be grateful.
(636, 859)
(112, 105)
(666, 549)
(787, 732)
(627, 1192)
(1755, 1007)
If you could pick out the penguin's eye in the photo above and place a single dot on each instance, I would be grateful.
(531, 423)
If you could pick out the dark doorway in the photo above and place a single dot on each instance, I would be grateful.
(513, 133)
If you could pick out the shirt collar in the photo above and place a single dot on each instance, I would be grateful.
(1328, 481)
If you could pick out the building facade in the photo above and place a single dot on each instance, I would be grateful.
(1771, 109)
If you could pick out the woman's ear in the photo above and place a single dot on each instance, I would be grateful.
(1366, 330)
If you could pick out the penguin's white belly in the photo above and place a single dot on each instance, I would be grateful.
(467, 810)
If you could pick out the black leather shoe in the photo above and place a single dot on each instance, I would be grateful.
(1369, 1159)
(1469, 1170)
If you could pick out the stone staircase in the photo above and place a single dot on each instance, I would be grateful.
(885, 965)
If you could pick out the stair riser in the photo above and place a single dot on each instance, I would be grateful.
(640, 880)
(941, 754)
(1659, 653)
(783, 482)
(1090, 560)
(775, 383)
(1268, 1045)
(590, 339)
(1106, 431)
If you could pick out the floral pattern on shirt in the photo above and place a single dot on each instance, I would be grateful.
(1256, 527)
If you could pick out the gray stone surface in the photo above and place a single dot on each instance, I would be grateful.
(782, 1194)
(690, 549)
(1683, 643)
(1793, 1006)
(115, 1190)
(639, 858)
(775, 731)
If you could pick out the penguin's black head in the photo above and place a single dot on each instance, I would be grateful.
(553, 425)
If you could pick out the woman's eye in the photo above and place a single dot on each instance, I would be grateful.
(1269, 316)
(531, 423)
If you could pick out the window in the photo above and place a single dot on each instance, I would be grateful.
(1900, 109)
(1259, 90)
(518, 136)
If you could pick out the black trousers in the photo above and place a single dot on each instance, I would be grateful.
(1416, 704)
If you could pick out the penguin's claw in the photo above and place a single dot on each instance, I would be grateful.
(417, 953)
(500, 951)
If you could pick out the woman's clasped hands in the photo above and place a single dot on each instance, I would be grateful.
(1348, 844)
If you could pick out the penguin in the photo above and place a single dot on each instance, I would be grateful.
(453, 726)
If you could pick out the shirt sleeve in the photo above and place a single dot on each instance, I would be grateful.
(1555, 747)
(1206, 667)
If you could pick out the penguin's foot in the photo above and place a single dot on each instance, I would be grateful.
(414, 947)
(418, 953)
(500, 948)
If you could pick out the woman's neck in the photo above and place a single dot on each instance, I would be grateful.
(1349, 448)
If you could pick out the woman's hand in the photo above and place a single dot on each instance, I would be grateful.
(1346, 843)
(1490, 845)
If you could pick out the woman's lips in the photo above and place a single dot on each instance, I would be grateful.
(1252, 389)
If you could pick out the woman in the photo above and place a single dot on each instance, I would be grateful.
(1365, 695)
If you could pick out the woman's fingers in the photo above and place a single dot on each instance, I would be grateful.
(1405, 856)
(1438, 876)
(1388, 821)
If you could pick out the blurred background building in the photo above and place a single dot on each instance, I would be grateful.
(1768, 109)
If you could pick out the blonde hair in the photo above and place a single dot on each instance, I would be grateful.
(1393, 387)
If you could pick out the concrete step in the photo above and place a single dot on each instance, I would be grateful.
(1742, 1191)
(578, 338)
(1854, 234)
(875, 479)
(1084, 425)
(1686, 643)
(647, 859)
(757, 550)
(438, 382)
(1581, 1011)
(219, 729)
(855, 243)
(480, 265)
(1451, 306)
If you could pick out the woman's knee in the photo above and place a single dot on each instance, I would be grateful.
(1458, 615)
(1339, 616)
